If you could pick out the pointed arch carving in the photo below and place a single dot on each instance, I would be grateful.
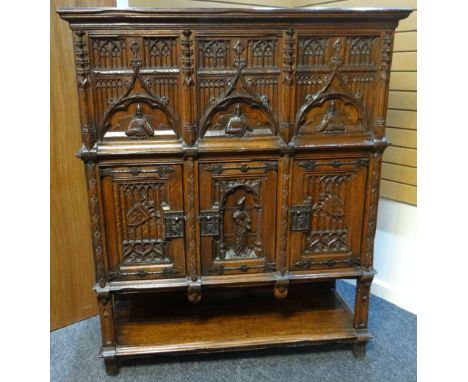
(240, 94)
(148, 98)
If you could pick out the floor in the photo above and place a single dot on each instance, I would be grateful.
(391, 356)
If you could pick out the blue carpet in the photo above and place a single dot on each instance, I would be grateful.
(390, 357)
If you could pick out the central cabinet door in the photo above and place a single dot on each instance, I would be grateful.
(237, 216)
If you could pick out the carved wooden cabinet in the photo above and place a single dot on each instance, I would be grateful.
(231, 148)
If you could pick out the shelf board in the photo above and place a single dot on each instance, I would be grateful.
(230, 319)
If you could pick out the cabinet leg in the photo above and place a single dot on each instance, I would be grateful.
(112, 366)
(359, 349)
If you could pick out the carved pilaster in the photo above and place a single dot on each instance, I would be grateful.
(191, 235)
(82, 66)
(188, 90)
(97, 232)
(361, 308)
(283, 215)
(372, 209)
(288, 88)
(385, 60)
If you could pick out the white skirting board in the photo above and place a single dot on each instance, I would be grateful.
(395, 254)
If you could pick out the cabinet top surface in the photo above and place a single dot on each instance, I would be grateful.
(227, 14)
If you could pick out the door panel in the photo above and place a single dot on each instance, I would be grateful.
(237, 216)
(144, 220)
(326, 212)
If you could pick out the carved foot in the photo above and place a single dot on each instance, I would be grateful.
(359, 349)
(112, 366)
(194, 293)
(281, 289)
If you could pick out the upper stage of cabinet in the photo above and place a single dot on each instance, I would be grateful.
(163, 80)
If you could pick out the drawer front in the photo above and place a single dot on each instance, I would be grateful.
(144, 220)
(327, 212)
(237, 216)
(136, 86)
(238, 84)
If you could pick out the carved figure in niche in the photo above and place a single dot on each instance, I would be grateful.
(242, 221)
(332, 120)
(237, 124)
(139, 127)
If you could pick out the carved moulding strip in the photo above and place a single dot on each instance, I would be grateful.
(154, 101)
(373, 205)
(385, 56)
(310, 165)
(288, 57)
(219, 269)
(165, 272)
(308, 263)
(285, 176)
(238, 93)
(94, 209)
(191, 219)
(218, 169)
(161, 170)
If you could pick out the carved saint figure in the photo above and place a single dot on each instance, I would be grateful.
(242, 221)
(237, 124)
(139, 126)
(326, 124)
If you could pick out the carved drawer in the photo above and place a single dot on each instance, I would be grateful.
(144, 220)
(135, 85)
(237, 216)
(327, 207)
(238, 84)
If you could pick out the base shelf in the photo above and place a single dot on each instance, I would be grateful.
(230, 319)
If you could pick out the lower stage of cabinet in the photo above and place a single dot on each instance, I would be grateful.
(230, 319)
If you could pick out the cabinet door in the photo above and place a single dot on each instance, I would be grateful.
(327, 213)
(144, 220)
(237, 216)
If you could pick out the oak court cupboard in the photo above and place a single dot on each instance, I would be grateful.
(233, 163)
